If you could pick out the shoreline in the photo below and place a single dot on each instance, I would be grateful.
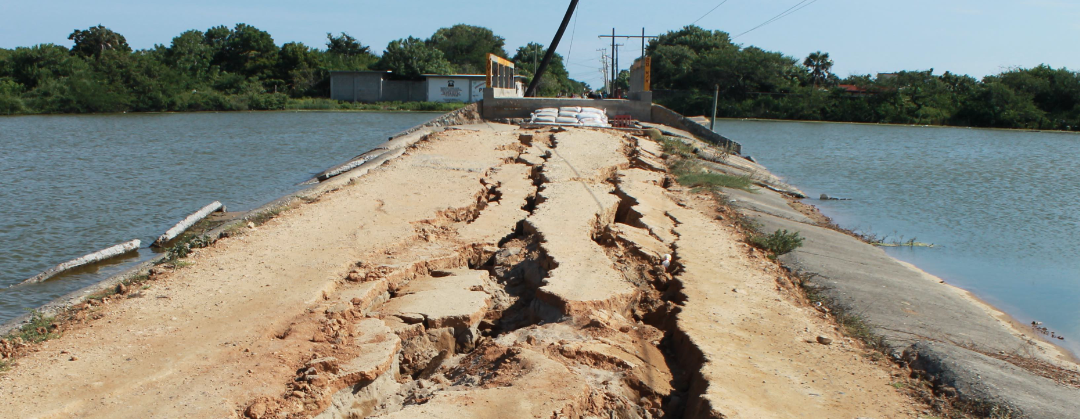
(1006, 319)
(221, 111)
(884, 124)
(1072, 360)
(78, 296)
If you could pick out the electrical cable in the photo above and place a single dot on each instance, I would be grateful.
(782, 15)
(710, 11)
(572, 34)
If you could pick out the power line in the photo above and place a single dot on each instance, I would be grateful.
(710, 11)
(782, 15)
(572, 34)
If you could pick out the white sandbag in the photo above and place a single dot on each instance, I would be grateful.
(570, 109)
(547, 110)
(568, 114)
(593, 111)
(544, 119)
(566, 120)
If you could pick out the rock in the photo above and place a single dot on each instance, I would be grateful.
(121, 289)
(824, 340)
(825, 197)
(251, 225)
(74, 358)
(257, 410)
(410, 318)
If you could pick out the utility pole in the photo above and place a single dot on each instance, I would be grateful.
(615, 72)
(715, 99)
(604, 69)
(551, 49)
(614, 63)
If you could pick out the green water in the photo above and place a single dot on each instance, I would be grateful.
(1000, 205)
(76, 184)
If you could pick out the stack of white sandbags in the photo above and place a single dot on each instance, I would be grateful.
(571, 115)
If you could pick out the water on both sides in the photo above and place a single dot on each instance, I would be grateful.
(71, 185)
(1000, 206)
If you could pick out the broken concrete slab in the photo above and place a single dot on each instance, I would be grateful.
(765, 201)
(456, 300)
(581, 278)
(378, 350)
(646, 203)
(590, 156)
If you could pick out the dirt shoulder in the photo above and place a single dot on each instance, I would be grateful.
(487, 271)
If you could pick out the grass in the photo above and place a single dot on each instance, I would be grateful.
(653, 133)
(313, 104)
(674, 147)
(852, 324)
(777, 243)
(182, 249)
(37, 330)
(691, 174)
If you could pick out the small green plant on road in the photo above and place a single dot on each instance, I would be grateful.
(692, 174)
(674, 147)
(777, 243)
(39, 329)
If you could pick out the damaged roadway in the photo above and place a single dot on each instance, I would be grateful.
(484, 271)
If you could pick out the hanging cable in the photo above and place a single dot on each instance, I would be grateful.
(710, 11)
(573, 33)
(782, 15)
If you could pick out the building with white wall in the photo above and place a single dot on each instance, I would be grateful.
(381, 86)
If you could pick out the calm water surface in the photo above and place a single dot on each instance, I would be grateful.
(70, 185)
(1001, 205)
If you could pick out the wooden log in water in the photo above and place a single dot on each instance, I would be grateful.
(97, 256)
(186, 223)
(351, 164)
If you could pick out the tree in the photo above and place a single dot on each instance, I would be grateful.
(346, 53)
(190, 53)
(345, 45)
(411, 57)
(556, 79)
(298, 65)
(93, 41)
(820, 67)
(245, 50)
(467, 46)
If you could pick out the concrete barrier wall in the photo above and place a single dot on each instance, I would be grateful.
(662, 115)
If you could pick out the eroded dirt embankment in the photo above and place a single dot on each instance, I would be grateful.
(490, 271)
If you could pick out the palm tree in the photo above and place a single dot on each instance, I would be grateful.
(819, 64)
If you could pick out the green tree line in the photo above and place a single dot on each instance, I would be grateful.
(224, 68)
(689, 63)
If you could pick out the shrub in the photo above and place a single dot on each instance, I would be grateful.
(778, 243)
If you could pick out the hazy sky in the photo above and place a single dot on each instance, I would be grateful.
(963, 36)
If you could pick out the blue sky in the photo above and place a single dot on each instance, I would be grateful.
(962, 36)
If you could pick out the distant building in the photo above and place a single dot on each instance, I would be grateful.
(886, 76)
(381, 86)
(853, 90)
